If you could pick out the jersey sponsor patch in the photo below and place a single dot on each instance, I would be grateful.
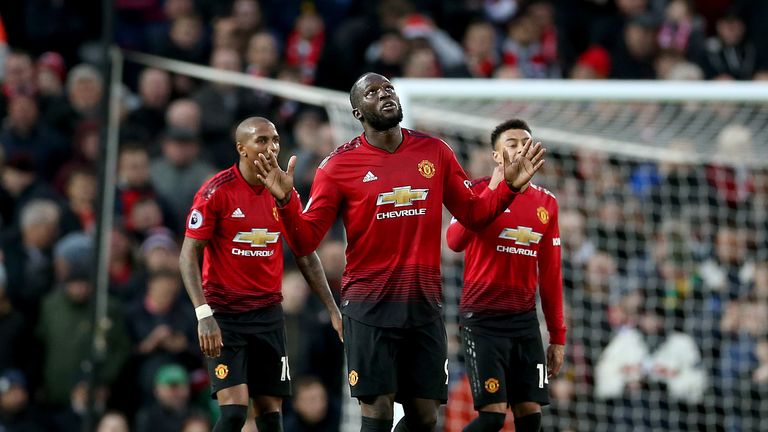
(256, 237)
(521, 235)
(402, 196)
(195, 219)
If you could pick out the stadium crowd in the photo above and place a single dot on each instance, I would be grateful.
(665, 265)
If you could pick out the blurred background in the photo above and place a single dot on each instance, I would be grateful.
(663, 199)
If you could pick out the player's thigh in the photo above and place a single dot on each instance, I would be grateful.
(527, 373)
(370, 355)
(230, 368)
(485, 360)
(422, 363)
(269, 373)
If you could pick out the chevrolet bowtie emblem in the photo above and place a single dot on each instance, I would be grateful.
(257, 237)
(402, 196)
(521, 235)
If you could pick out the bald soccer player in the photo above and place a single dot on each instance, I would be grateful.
(234, 228)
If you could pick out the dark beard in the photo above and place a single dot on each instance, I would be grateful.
(382, 123)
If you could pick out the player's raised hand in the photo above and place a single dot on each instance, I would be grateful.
(555, 355)
(209, 335)
(520, 167)
(278, 182)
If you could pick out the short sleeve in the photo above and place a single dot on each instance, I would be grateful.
(202, 216)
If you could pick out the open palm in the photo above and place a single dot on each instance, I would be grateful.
(520, 167)
(278, 182)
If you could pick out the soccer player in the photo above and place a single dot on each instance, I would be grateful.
(389, 184)
(234, 227)
(504, 264)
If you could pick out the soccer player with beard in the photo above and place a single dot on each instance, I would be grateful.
(234, 229)
(504, 264)
(389, 185)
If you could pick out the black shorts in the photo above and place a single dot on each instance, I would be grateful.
(257, 359)
(511, 369)
(409, 362)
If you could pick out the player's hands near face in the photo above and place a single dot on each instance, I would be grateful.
(209, 335)
(520, 167)
(278, 182)
(555, 354)
(496, 178)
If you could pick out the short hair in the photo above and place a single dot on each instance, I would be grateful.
(83, 71)
(507, 125)
(39, 211)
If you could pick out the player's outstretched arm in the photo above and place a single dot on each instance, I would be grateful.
(312, 269)
(208, 332)
(278, 182)
(520, 167)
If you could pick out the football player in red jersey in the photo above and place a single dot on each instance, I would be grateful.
(389, 185)
(234, 228)
(505, 263)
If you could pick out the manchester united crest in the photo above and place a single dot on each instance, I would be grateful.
(543, 214)
(426, 168)
(221, 371)
(491, 385)
(353, 378)
(274, 213)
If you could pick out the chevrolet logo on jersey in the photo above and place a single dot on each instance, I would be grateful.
(402, 196)
(521, 235)
(257, 237)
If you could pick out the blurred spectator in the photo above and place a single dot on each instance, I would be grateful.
(387, 55)
(305, 44)
(684, 71)
(183, 114)
(158, 253)
(121, 263)
(15, 411)
(222, 105)
(262, 57)
(654, 352)
(422, 63)
(65, 331)
(51, 73)
(726, 275)
(682, 31)
(171, 407)
(72, 251)
(632, 57)
(18, 79)
(179, 172)
(162, 327)
(185, 40)
(145, 217)
(295, 293)
(313, 142)
(225, 34)
(523, 49)
(23, 134)
(594, 63)
(84, 88)
(134, 183)
(731, 179)
(83, 155)
(605, 29)
(248, 17)
(29, 256)
(155, 92)
(80, 194)
(728, 54)
(310, 408)
(422, 32)
(480, 51)
(113, 421)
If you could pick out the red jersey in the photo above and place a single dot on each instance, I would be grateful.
(509, 258)
(243, 260)
(391, 205)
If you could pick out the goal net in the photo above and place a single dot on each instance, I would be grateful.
(663, 195)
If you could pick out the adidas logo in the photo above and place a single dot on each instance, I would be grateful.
(238, 213)
(369, 177)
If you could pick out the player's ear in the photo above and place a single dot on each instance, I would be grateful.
(240, 148)
(357, 114)
(497, 157)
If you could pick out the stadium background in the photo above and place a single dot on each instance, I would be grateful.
(663, 203)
